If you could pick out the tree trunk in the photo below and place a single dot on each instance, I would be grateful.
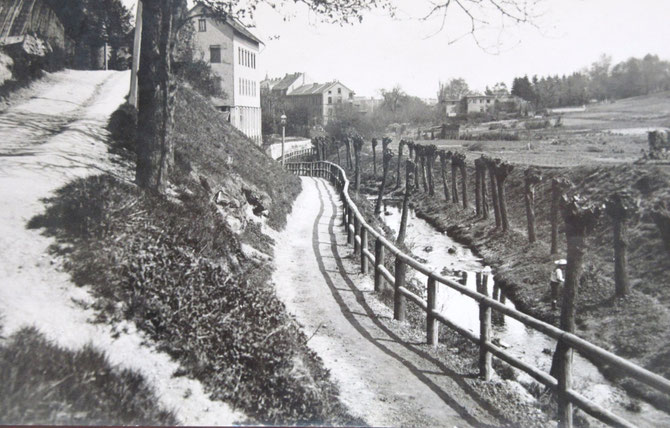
(502, 171)
(485, 203)
(555, 198)
(398, 181)
(443, 168)
(347, 141)
(388, 155)
(478, 189)
(579, 220)
(494, 193)
(409, 176)
(531, 178)
(357, 174)
(155, 153)
(339, 161)
(454, 189)
(374, 159)
(464, 184)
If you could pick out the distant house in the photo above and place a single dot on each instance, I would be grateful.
(367, 105)
(451, 107)
(473, 104)
(233, 53)
(319, 100)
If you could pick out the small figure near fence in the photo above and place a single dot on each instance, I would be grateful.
(556, 280)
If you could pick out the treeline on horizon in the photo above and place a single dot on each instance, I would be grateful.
(600, 82)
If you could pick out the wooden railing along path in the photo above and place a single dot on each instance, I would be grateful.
(359, 234)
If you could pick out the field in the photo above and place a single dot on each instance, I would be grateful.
(607, 133)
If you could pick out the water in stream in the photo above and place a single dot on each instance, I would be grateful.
(448, 257)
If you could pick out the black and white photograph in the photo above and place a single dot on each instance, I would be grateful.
(337, 213)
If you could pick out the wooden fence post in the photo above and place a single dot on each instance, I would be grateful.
(350, 234)
(485, 359)
(431, 323)
(357, 232)
(364, 247)
(399, 299)
(379, 261)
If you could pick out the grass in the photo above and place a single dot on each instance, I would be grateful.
(42, 383)
(176, 268)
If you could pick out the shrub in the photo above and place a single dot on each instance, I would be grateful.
(200, 76)
(537, 124)
(122, 127)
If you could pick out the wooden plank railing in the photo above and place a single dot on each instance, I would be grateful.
(359, 233)
(301, 154)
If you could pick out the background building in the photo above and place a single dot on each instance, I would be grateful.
(233, 53)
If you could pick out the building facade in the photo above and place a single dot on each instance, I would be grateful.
(234, 54)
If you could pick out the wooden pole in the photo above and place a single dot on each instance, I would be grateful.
(364, 247)
(137, 42)
(399, 304)
(409, 179)
(432, 331)
(357, 232)
(485, 359)
(350, 234)
(532, 177)
(490, 165)
(379, 261)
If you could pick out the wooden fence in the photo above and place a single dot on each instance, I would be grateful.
(360, 235)
(301, 154)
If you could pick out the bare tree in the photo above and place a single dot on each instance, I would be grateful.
(444, 156)
(621, 206)
(580, 218)
(454, 168)
(491, 166)
(430, 153)
(358, 145)
(459, 159)
(502, 170)
(386, 162)
(374, 157)
(558, 187)
(401, 145)
(532, 176)
(409, 179)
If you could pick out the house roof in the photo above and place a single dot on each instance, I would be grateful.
(315, 88)
(286, 81)
(238, 27)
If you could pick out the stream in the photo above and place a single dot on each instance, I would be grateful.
(449, 258)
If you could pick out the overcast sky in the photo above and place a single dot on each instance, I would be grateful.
(382, 51)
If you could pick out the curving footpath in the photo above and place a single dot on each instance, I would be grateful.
(385, 376)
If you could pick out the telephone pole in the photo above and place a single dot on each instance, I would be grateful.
(132, 99)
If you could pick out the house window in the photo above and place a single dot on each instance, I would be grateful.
(339, 90)
(239, 56)
(215, 54)
(330, 92)
(330, 99)
(253, 60)
(202, 25)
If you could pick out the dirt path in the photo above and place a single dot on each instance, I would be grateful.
(55, 134)
(383, 379)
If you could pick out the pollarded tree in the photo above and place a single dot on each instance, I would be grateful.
(558, 187)
(409, 179)
(163, 18)
(459, 158)
(502, 171)
(430, 153)
(374, 156)
(386, 162)
(398, 180)
(358, 145)
(444, 156)
(621, 207)
(491, 166)
(532, 176)
(454, 168)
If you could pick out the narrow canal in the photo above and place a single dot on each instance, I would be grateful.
(446, 256)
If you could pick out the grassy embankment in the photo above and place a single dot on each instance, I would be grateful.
(177, 269)
(633, 327)
(42, 383)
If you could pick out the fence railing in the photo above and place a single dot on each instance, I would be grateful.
(297, 154)
(360, 234)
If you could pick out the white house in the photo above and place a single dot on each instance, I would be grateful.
(233, 53)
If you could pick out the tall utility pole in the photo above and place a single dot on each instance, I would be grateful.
(132, 99)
